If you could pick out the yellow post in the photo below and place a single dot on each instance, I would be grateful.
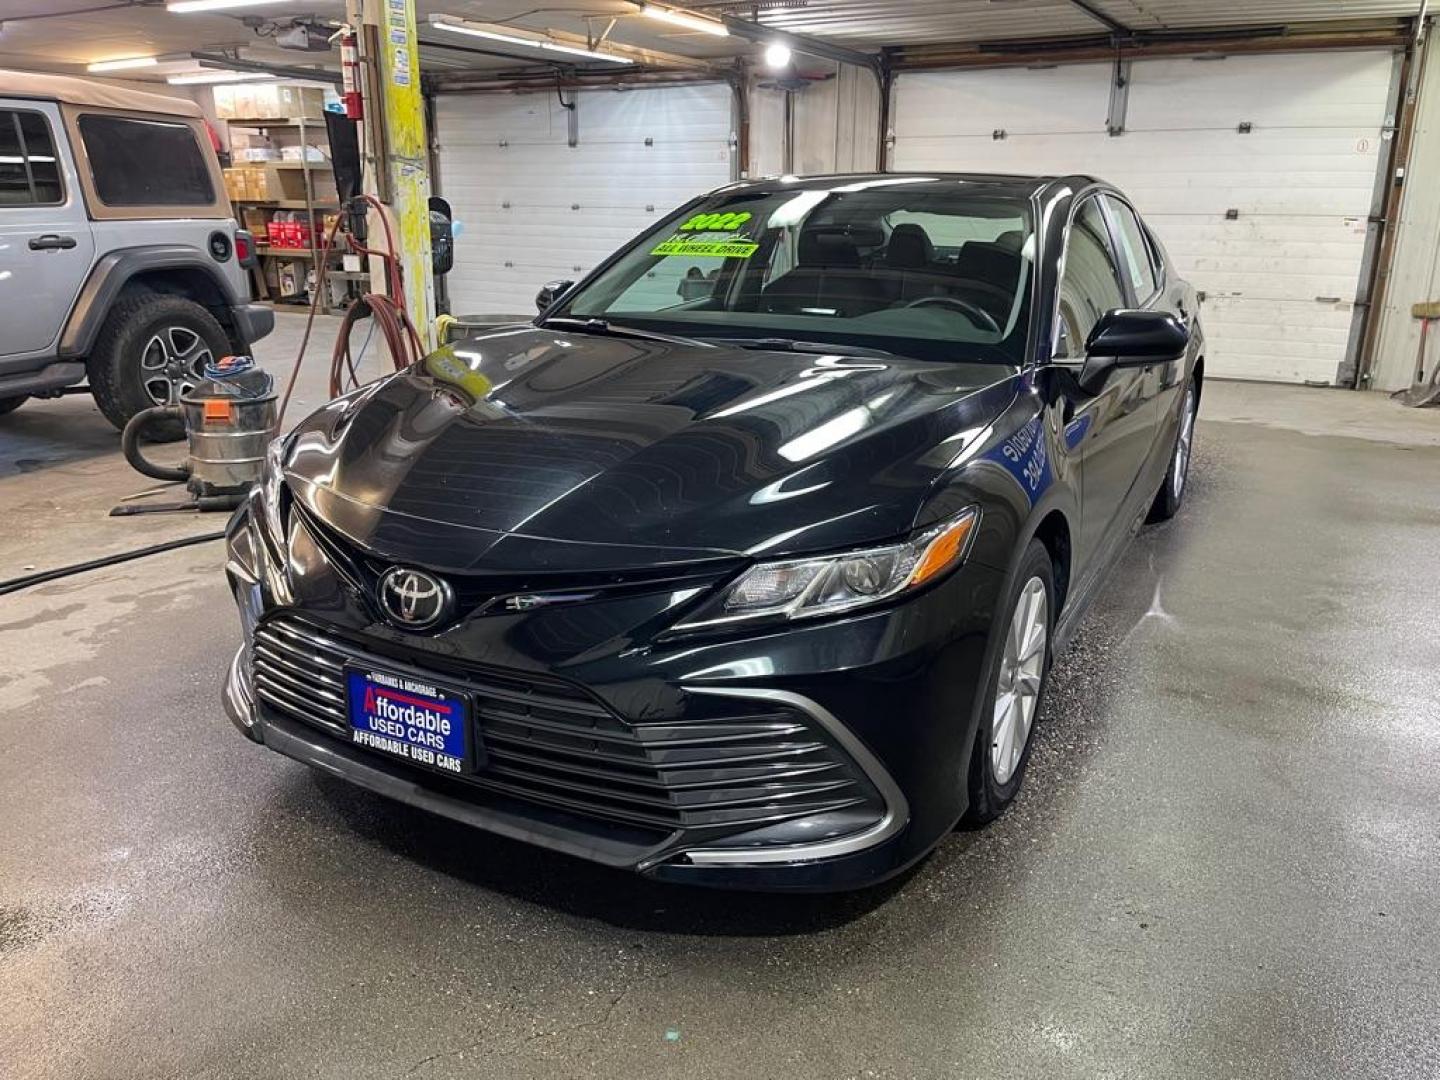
(396, 122)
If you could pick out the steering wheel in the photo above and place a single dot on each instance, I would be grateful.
(974, 312)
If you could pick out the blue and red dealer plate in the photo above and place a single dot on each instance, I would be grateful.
(410, 719)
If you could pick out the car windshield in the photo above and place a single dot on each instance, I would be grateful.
(933, 269)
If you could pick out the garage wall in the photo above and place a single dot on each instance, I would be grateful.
(835, 129)
(1415, 267)
(535, 208)
(1282, 275)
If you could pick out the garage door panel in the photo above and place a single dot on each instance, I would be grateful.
(1277, 340)
(1019, 101)
(1331, 89)
(630, 116)
(1301, 183)
(1025, 154)
(536, 208)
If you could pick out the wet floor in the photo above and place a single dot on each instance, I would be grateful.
(1223, 864)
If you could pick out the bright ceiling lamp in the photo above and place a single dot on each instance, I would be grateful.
(187, 7)
(204, 78)
(689, 20)
(777, 55)
(484, 30)
(123, 65)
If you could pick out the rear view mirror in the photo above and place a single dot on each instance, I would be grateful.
(550, 292)
(1127, 338)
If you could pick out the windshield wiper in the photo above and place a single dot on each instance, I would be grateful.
(603, 327)
(781, 344)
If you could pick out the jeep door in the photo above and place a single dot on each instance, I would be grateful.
(46, 246)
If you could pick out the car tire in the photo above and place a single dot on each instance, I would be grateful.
(10, 404)
(148, 343)
(1172, 491)
(1017, 670)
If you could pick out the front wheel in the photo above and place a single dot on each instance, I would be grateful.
(1015, 688)
(1172, 491)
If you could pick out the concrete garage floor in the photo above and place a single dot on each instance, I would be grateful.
(1223, 863)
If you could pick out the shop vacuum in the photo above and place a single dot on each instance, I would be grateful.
(229, 417)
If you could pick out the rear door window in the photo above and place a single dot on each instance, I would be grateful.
(29, 171)
(135, 162)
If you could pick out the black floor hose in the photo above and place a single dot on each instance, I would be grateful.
(42, 576)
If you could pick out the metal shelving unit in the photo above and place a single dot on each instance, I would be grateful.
(303, 127)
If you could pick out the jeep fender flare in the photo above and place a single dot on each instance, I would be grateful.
(113, 272)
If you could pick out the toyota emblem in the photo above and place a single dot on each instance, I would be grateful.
(413, 599)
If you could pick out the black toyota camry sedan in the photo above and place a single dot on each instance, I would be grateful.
(745, 562)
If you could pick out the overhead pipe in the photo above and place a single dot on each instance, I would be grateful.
(280, 71)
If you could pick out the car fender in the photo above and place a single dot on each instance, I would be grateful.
(113, 271)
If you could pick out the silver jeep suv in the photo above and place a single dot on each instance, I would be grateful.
(120, 262)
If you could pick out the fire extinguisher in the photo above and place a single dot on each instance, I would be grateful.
(350, 73)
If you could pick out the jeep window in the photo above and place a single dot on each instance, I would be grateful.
(929, 270)
(136, 162)
(29, 171)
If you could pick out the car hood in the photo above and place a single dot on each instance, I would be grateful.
(529, 448)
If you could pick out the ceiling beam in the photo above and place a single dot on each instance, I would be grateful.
(1115, 26)
(280, 71)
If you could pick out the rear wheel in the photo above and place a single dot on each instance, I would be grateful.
(1172, 491)
(10, 404)
(152, 348)
(1016, 680)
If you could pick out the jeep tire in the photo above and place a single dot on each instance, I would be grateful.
(149, 343)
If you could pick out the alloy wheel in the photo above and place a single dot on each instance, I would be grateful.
(1182, 444)
(1022, 667)
(172, 362)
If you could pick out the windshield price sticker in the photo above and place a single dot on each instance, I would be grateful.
(697, 237)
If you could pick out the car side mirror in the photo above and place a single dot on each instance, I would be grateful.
(550, 292)
(442, 237)
(1126, 338)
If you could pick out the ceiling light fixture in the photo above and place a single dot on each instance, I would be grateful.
(122, 65)
(689, 20)
(202, 78)
(777, 55)
(461, 26)
(189, 7)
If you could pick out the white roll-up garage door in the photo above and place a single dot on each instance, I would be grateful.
(535, 208)
(1258, 173)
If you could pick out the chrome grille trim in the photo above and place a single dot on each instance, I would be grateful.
(550, 743)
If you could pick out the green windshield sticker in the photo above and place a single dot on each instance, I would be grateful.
(730, 248)
(715, 222)
(729, 245)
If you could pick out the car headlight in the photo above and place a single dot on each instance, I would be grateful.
(827, 584)
(272, 483)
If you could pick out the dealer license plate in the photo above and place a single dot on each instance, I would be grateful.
(410, 719)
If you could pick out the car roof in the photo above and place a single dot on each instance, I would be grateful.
(91, 92)
(1011, 184)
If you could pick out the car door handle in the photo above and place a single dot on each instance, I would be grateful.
(51, 242)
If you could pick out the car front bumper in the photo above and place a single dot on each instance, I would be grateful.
(883, 704)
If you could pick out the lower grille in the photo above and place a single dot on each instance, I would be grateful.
(549, 741)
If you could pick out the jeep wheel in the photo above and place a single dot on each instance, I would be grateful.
(152, 347)
(10, 404)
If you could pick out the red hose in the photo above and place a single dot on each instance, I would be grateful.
(387, 309)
